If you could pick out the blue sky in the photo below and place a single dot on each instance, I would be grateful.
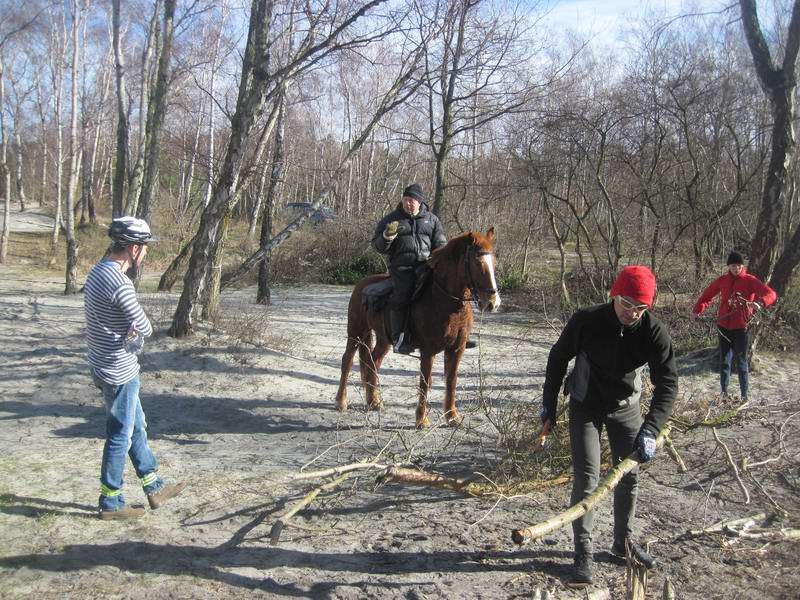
(604, 20)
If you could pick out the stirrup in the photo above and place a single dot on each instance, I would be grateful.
(401, 346)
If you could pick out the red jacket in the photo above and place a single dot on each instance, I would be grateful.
(735, 292)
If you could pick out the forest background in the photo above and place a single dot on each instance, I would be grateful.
(227, 124)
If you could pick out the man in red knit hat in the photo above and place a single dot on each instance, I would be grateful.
(611, 344)
(741, 295)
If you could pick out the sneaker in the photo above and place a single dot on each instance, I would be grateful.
(582, 571)
(126, 513)
(158, 498)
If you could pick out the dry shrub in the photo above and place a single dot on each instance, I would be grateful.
(247, 324)
(336, 251)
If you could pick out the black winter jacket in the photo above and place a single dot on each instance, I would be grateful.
(416, 238)
(609, 356)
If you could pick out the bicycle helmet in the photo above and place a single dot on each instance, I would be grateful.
(130, 230)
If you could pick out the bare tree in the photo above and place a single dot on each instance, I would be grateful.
(121, 162)
(11, 23)
(5, 172)
(71, 287)
(157, 108)
(256, 87)
(151, 49)
(779, 84)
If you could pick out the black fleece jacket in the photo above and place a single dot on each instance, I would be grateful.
(416, 238)
(614, 352)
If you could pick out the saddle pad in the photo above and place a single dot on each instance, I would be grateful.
(375, 295)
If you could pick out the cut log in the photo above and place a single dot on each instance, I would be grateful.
(581, 508)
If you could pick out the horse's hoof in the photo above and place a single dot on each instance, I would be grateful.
(455, 420)
(341, 406)
(424, 423)
(375, 405)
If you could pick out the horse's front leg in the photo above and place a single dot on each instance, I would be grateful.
(425, 370)
(452, 358)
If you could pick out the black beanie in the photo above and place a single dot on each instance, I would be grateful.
(734, 258)
(414, 191)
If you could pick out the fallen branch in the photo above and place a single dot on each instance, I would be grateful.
(283, 520)
(768, 496)
(773, 535)
(673, 453)
(721, 419)
(581, 508)
(723, 525)
(734, 468)
(340, 470)
(466, 486)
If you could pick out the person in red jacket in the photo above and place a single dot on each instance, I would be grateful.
(741, 295)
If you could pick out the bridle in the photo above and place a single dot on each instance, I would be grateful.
(473, 287)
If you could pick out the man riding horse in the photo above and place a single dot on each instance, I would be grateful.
(407, 235)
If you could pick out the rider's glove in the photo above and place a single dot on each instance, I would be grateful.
(645, 444)
(390, 232)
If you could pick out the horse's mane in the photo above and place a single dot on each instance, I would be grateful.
(457, 247)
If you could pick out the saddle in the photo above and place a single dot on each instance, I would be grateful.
(375, 296)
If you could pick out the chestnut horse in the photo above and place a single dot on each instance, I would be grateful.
(440, 319)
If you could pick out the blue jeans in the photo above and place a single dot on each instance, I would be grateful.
(733, 344)
(126, 434)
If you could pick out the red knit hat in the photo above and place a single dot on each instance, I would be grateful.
(636, 282)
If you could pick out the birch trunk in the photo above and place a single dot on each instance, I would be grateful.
(156, 113)
(20, 160)
(4, 171)
(263, 294)
(252, 92)
(212, 111)
(71, 286)
(57, 71)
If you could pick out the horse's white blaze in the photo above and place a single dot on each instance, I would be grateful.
(490, 265)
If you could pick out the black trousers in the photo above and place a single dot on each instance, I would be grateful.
(585, 427)
(403, 280)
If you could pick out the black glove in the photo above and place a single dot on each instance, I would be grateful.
(645, 444)
(547, 416)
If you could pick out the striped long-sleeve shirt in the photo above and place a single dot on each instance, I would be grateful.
(111, 309)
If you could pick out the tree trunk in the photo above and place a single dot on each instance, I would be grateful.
(263, 294)
(450, 70)
(120, 168)
(157, 108)
(18, 171)
(175, 268)
(152, 46)
(71, 286)
(250, 103)
(57, 68)
(186, 200)
(254, 83)
(779, 85)
(4, 171)
(212, 111)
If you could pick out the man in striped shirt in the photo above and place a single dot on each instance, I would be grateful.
(115, 329)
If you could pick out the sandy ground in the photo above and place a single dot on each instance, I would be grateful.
(238, 415)
(30, 221)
